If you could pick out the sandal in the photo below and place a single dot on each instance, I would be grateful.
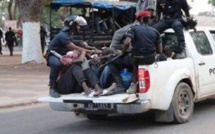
(98, 93)
(109, 90)
(91, 94)
(106, 92)
(83, 93)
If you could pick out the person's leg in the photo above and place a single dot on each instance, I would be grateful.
(96, 24)
(68, 84)
(162, 25)
(105, 77)
(133, 65)
(42, 45)
(0, 47)
(93, 80)
(116, 76)
(80, 78)
(91, 77)
(55, 66)
(178, 28)
(10, 47)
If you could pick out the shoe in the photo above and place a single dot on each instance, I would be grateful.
(54, 94)
(1, 53)
(132, 89)
(181, 55)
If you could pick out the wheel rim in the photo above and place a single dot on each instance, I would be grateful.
(184, 103)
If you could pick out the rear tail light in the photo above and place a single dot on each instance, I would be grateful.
(143, 80)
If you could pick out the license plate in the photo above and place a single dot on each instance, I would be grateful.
(105, 106)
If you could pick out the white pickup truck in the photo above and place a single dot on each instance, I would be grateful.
(170, 88)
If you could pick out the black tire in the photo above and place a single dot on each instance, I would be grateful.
(97, 116)
(182, 103)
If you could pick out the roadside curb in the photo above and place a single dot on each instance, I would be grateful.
(19, 103)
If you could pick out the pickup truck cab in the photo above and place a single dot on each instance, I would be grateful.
(170, 88)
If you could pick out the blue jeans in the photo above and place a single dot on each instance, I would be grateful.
(177, 26)
(55, 66)
(105, 78)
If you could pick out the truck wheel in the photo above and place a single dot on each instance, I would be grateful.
(182, 103)
(97, 116)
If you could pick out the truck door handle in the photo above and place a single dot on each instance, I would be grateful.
(201, 63)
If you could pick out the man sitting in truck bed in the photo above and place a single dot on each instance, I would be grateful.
(145, 42)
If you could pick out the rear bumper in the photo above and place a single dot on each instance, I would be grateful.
(139, 106)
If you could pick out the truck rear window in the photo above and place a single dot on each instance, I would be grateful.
(169, 39)
(201, 42)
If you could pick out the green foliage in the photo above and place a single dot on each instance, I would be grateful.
(212, 2)
(3, 11)
(56, 16)
(47, 2)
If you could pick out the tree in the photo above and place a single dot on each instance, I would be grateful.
(3, 12)
(30, 11)
(212, 2)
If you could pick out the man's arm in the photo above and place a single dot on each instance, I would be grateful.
(158, 11)
(185, 8)
(160, 48)
(126, 44)
(86, 46)
(81, 57)
(72, 47)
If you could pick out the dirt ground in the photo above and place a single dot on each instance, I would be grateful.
(13, 64)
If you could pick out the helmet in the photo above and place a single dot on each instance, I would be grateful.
(143, 14)
(73, 18)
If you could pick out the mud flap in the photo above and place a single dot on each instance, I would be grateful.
(165, 116)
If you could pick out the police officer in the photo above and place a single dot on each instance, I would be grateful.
(145, 41)
(62, 43)
(172, 18)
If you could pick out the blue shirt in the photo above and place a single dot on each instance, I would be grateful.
(60, 41)
(144, 39)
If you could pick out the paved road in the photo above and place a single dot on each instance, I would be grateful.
(40, 119)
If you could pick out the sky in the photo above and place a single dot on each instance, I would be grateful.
(199, 6)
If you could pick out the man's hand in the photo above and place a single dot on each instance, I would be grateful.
(97, 51)
(66, 61)
(96, 60)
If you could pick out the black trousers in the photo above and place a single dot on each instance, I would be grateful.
(71, 81)
(0, 46)
(10, 45)
(177, 26)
